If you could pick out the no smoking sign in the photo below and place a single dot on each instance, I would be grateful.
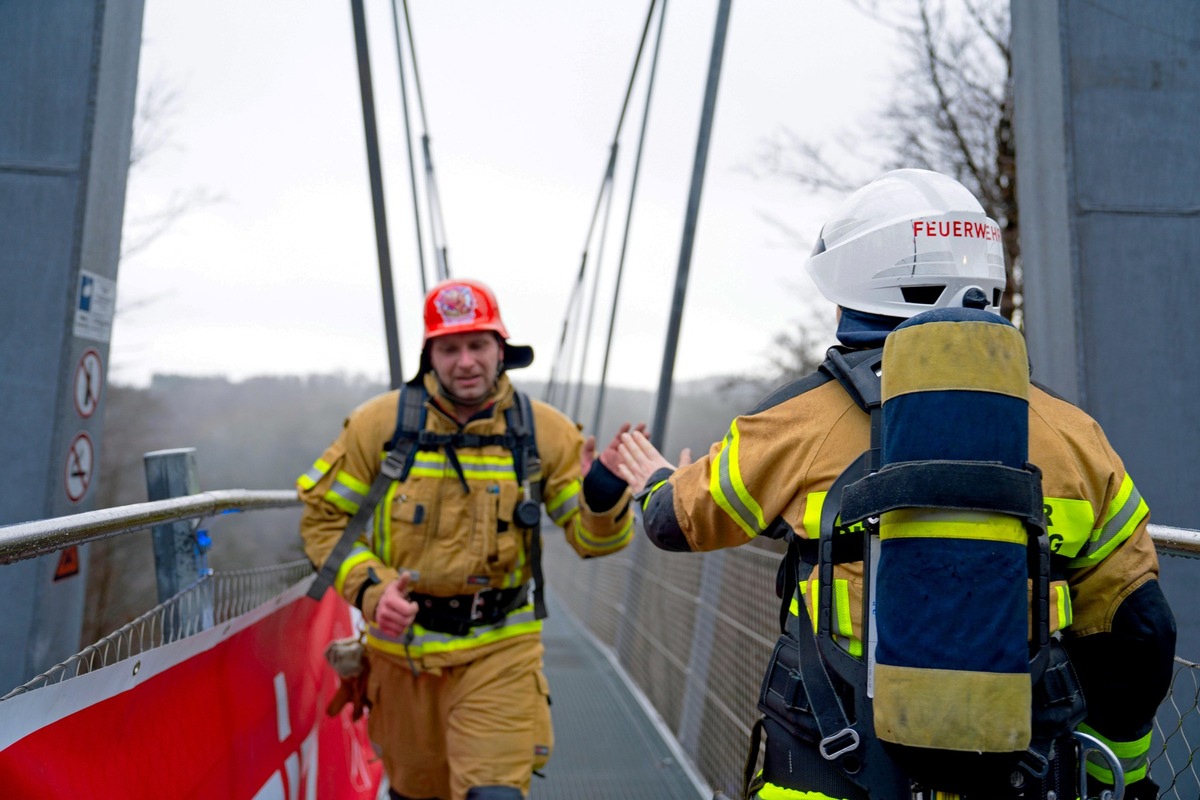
(79, 467)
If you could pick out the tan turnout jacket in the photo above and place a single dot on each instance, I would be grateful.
(455, 542)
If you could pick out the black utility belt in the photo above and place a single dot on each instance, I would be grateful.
(456, 615)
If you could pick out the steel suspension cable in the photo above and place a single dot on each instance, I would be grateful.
(637, 165)
(587, 325)
(577, 289)
(432, 196)
(412, 171)
(604, 188)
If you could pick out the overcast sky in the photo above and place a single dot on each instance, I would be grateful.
(280, 275)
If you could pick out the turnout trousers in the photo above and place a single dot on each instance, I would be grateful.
(443, 731)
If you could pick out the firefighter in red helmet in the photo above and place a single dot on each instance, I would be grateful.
(447, 573)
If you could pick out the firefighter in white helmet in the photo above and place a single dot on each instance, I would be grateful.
(447, 571)
(908, 242)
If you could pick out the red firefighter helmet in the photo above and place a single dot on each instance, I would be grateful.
(464, 306)
(461, 306)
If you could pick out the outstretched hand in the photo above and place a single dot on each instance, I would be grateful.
(610, 457)
(640, 459)
(395, 612)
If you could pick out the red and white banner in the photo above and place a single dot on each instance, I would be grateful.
(234, 712)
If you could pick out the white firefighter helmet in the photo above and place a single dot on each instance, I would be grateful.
(908, 241)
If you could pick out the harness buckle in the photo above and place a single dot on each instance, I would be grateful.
(836, 745)
(1034, 763)
(393, 465)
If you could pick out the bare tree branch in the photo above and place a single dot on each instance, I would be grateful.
(950, 111)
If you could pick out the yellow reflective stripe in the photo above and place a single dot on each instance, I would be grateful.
(1134, 756)
(771, 791)
(358, 554)
(564, 504)
(347, 492)
(519, 621)
(353, 483)
(812, 514)
(430, 464)
(514, 578)
(1062, 605)
(309, 479)
(598, 546)
(841, 594)
(382, 526)
(335, 496)
(730, 493)
(843, 621)
(649, 494)
(921, 523)
(1124, 514)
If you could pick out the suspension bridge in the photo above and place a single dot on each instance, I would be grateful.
(654, 658)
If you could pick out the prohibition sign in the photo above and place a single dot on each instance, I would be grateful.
(78, 472)
(89, 378)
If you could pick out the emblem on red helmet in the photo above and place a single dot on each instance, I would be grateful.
(461, 306)
(456, 305)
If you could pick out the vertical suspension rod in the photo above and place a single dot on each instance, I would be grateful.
(637, 167)
(658, 431)
(391, 328)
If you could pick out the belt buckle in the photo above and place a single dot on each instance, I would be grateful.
(477, 601)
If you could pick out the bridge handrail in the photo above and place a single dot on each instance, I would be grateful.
(1175, 541)
(31, 539)
(26, 540)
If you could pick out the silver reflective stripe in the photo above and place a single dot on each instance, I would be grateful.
(1115, 525)
(346, 493)
(730, 494)
(565, 509)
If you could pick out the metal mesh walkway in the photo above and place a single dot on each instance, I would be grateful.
(607, 746)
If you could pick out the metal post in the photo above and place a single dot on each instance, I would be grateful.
(659, 431)
(179, 556)
(381, 233)
(68, 81)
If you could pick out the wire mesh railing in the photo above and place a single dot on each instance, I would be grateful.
(1176, 758)
(212, 600)
(694, 632)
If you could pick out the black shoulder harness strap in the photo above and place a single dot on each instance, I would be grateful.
(395, 466)
(410, 437)
(840, 739)
(858, 373)
(520, 425)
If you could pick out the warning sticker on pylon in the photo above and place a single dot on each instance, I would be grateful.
(68, 563)
(79, 466)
